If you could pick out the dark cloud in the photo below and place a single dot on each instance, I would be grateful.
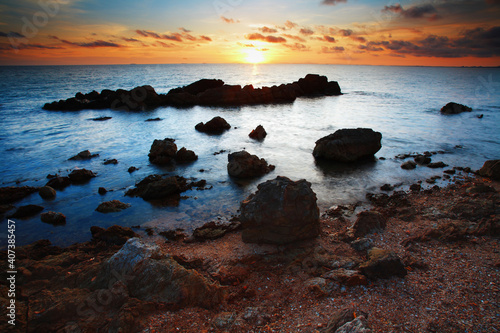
(345, 32)
(269, 39)
(333, 49)
(267, 30)
(11, 34)
(306, 31)
(297, 38)
(205, 38)
(35, 47)
(297, 47)
(414, 12)
(93, 44)
(332, 2)
(358, 39)
(162, 44)
(184, 29)
(131, 40)
(371, 46)
(173, 37)
(329, 39)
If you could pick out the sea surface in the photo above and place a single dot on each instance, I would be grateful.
(402, 103)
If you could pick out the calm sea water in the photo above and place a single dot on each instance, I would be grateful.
(400, 102)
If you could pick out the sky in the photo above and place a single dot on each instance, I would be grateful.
(405, 32)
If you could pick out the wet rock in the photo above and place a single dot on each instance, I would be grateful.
(244, 165)
(386, 187)
(382, 264)
(113, 235)
(101, 118)
(202, 85)
(112, 206)
(102, 191)
(157, 187)
(338, 319)
(83, 155)
(153, 119)
(455, 108)
(215, 126)
(80, 176)
(162, 151)
(491, 169)
(259, 133)
(26, 211)
(59, 183)
(12, 194)
(47, 192)
(437, 165)
(185, 156)
(422, 159)
(132, 169)
(319, 285)
(212, 230)
(408, 165)
(378, 199)
(314, 84)
(415, 187)
(281, 211)
(111, 161)
(368, 222)
(348, 145)
(53, 218)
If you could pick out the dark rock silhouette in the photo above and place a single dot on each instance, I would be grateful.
(281, 211)
(112, 206)
(162, 151)
(259, 133)
(47, 192)
(12, 194)
(53, 218)
(83, 155)
(184, 155)
(455, 108)
(217, 125)
(26, 211)
(209, 92)
(491, 169)
(59, 183)
(112, 235)
(348, 145)
(244, 165)
(80, 176)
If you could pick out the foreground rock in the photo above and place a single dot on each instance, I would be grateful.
(12, 194)
(348, 145)
(207, 92)
(382, 264)
(491, 169)
(164, 152)
(244, 165)
(112, 235)
(216, 125)
(281, 211)
(212, 230)
(26, 211)
(368, 222)
(112, 206)
(455, 108)
(259, 133)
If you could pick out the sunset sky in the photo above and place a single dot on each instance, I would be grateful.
(428, 32)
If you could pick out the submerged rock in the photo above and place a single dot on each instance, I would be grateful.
(216, 125)
(12, 194)
(156, 187)
(26, 211)
(53, 218)
(491, 169)
(348, 145)
(408, 165)
(59, 183)
(79, 176)
(281, 211)
(244, 165)
(83, 155)
(259, 133)
(112, 206)
(47, 192)
(455, 108)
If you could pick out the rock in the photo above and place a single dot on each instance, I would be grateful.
(112, 206)
(102, 191)
(338, 319)
(481, 188)
(281, 211)
(47, 192)
(314, 84)
(259, 133)
(101, 118)
(83, 155)
(455, 108)
(415, 187)
(491, 169)
(382, 264)
(53, 218)
(202, 85)
(358, 325)
(185, 156)
(215, 126)
(26, 211)
(79, 176)
(437, 165)
(162, 151)
(368, 222)
(12, 194)
(319, 285)
(111, 161)
(212, 230)
(132, 169)
(362, 244)
(152, 276)
(422, 159)
(244, 165)
(408, 165)
(348, 145)
(59, 183)
(113, 235)
(156, 187)
(224, 320)
(173, 235)
(346, 277)
(387, 187)
(153, 119)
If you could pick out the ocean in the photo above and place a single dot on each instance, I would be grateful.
(402, 103)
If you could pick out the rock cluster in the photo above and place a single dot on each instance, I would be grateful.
(242, 164)
(281, 211)
(165, 152)
(348, 145)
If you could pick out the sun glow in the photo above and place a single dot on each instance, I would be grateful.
(254, 56)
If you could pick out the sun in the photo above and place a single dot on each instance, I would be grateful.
(254, 56)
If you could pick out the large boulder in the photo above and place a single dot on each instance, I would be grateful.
(244, 165)
(162, 151)
(202, 85)
(281, 211)
(216, 125)
(491, 169)
(455, 108)
(348, 145)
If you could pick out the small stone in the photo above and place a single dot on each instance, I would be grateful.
(132, 169)
(112, 206)
(408, 165)
(437, 165)
(259, 133)
(102, 191)
(53, 218)
(47, 192)
(111, 161)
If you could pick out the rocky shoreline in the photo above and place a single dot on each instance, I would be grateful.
(402, 264)
(206, 92)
